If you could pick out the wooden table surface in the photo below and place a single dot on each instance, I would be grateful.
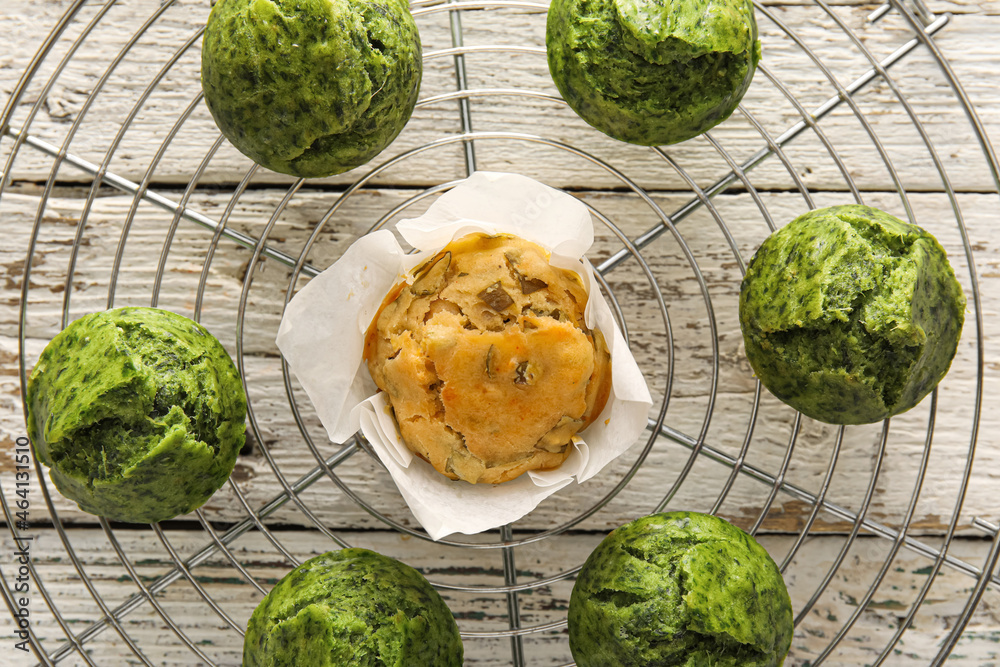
(876, 531)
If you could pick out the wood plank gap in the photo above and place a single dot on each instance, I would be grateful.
(872, 527)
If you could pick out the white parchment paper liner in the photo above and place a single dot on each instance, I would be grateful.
(322, 338)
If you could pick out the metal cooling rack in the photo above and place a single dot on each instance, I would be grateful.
(66, 642)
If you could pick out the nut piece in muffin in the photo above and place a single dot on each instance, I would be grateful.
(850, 315)
(486, 360)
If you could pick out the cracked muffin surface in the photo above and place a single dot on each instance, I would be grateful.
(352, 608)
(850, 315)
(679, 589)
(648, 72)
(486, 360)
(311, 88)
(138, 412)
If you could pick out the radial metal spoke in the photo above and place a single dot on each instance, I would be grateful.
(514, 589)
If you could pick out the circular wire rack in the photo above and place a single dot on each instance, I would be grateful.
(145, 168)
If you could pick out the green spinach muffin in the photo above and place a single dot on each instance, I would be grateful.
(652, 73)
(311, 88)
(352, 608)
(679, 589)
(138, 412)
(850, 315)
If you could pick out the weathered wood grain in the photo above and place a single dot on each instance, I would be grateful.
(688, 363)
(918, 78)
(482, 611)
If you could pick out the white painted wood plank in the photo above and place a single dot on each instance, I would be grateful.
(691, 368)
(918, 77)
(484, 611)
(974, 56)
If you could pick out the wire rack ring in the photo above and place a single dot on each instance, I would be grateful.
(126, 194)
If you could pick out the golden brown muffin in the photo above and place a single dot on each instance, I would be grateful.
(486, 360)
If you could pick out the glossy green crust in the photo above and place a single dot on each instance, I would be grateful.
(138, 412)
(311, 88)
(352, 608)
(650, 72)
(679, 589)
(850, 315)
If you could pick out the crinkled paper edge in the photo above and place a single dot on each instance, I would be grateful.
(322, 332)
